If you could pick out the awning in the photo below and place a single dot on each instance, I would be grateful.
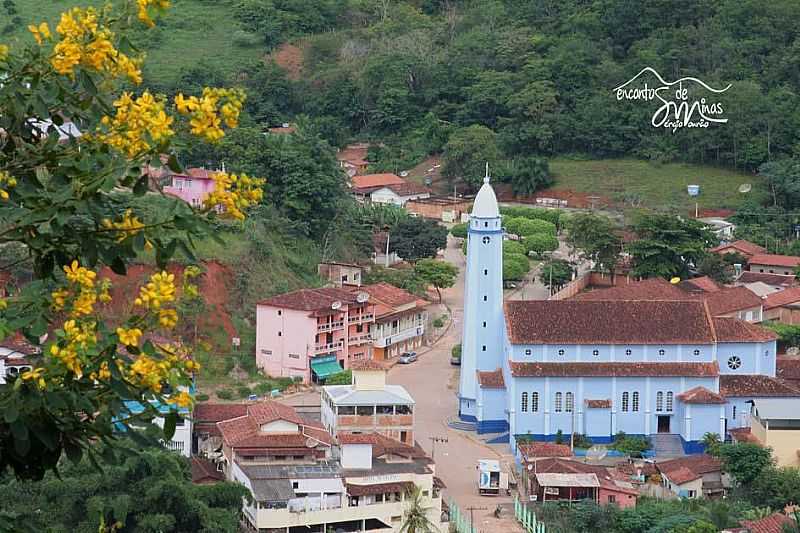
(323, 369)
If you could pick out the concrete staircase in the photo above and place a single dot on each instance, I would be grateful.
(457, 423)
(666, 445)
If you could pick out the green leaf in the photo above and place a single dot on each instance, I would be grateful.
(87, 83)
(118, 266)
(20, 430)
(170, 421)
(140, 187)
(11, 413)
(74, 452)
(46, 435)
(173, 164)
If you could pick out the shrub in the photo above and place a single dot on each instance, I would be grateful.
(225, 394)
(581, 441)
(559, 437)
(340, 378)
(456, 351)
(459, 231)
(244, 391)
(438, 322)
(633, 446)
(201, 397)
(514, 247)
(540, 243)
(263, 388)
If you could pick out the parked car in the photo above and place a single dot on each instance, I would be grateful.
(407, 358)
(455, 361)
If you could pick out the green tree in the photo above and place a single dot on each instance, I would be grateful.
(527, 175)
(459, 231)
(555, 273)
(745, 461)
(415, 516)
(716, 267)
(415, 238)
(540, 243)
(340, 378)
(515, 266)
(667, 246)
(711, 442)
(596, 238)
(439, 274)
(513, 247)
(466, 153)
(783, 178)
(405, 278)
(529, 226)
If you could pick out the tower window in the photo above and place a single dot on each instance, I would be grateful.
(485, 298)
(561, 352)
(734, 362)
(485, 272)
(535, 402)
(485, 224)
(527, 352)
(524, 406)
(628, 351)
(696, 352)
(624, 401)
(595, 352)
(570, 402)
(659, 401)
(558, 402)
(487, 240)
(483, 348)
(484, 324)
(279, 334)
(635, 402)
(279, 312)
(661, 352)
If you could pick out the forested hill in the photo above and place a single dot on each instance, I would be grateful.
(537, 74)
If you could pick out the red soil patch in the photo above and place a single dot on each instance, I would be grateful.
(716, 213)
(573, 198)
(213, 287)
(290, 58)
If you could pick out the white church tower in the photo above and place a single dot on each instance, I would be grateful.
(482, 337)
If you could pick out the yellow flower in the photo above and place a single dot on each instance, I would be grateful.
(59, 299)
(167, 318)
(7, 182)
(3, 304)
(182, 399)
(138, 125)
(80, 275)
(233, 194)
(36, 376)
(144, 6)
(128, 226)
(3, 52)
(158, 291)
(129, 337)
(203, 112)
(40, 32)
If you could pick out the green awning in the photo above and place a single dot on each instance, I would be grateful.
(323, 369)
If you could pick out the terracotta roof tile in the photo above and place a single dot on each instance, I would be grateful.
(741, 245)
(379, 488)
(778, 280)
(598, 404)
(492, 379)
(381, 444)
(731, 299)
(647, 289)
(217, 412)
(244, 431)
(789, 261)
(781, 298)
(311, 299)
(369, 365)
(703, 284)
(376, 181)
(701, 395)
(689, 468)
(734, 330)
(771, 524)
(204, 470)
(19, 344)
(607, 322)
(387, 294)
(614, 369)
(754, 386)
(533, 450)
(408, 189)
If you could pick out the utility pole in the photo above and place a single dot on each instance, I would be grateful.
(472, 515)
(387, 249)
(434, 440)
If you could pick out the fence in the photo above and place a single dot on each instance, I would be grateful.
(459, 521)
(591, 280)
(527, 518)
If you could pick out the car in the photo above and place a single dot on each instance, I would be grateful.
(455, 361)
(407, 358)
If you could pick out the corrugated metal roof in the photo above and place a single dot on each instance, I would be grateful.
(390, 395)
(567, 480)
(325, 469)
(272, 490)
(777, 408)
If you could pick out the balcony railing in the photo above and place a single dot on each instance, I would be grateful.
(360, 339)
(360, 318)
(321, 348)
(330, 326)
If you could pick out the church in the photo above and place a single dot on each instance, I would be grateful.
(595, 367)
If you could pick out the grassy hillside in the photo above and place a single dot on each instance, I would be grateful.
(191, 33)
(655, 185)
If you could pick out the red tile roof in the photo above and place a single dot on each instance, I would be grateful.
(755, 386)
(491, 380)
(217, 412)
(311, 299)
(614, 369)
(381, 444)
(370, 182)
(742, 245)
(771, 524)
(610, 478)
(789, 261)
(646, 289)
(245, 431)
(788, 368)
(703, 283)
(701, 395)
(270, 411)
(17, 343)
(598, 404)
(743, 435)
(778, 280)
(781, 298)
(369, 365)
(689, 468)
(533, 450)
(408, 189)
(729, 329)
(204, 470)
(731, 299)
(607, 322)
(387, 293)
(380, 488)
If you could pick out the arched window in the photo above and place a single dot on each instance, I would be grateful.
(524, 408)
(669, 401)
(635, 402)
(734, 412)
(697, 352)
(628, 351)
(570, 402)
(558, 402)
(487, 240)
(535, 402)
(595, 352)
(659, 401)
(624, 401)
(661, 352)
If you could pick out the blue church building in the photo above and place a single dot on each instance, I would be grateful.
(598, 367)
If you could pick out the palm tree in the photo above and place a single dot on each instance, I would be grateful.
(712, 443)
(415, 519)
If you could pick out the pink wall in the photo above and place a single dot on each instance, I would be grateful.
(192, 190)
(622, 499)
(297, 331)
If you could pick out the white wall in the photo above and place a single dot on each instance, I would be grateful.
(357, 456)
(280, 426)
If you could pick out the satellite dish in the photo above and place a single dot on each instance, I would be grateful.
(596, 453)
(745, 187)
(336, 305)
(362, 297)
(530, 466)
(311, 443)
(675, 280)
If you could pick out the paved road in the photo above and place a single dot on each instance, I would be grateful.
(433, 383)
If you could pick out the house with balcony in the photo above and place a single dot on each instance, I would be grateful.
(311, 334)
(364, 489)
(369, 404)
(191, 186)
(400, 320)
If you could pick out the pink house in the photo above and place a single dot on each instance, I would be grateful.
(311, 334)
(191, 187)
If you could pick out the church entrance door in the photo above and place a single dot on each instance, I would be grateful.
(663, 424)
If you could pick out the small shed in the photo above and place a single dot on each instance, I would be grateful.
(569, 487)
